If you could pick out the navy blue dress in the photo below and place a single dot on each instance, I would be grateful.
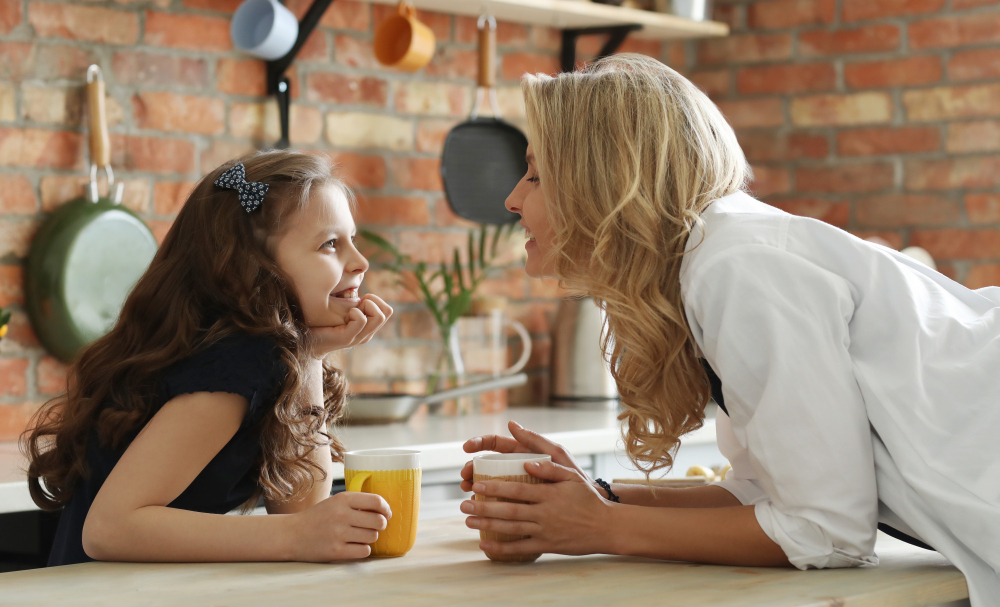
(236, 364)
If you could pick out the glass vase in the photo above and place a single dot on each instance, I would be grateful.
(449, 372)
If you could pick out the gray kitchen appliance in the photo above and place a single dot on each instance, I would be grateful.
(579, 376)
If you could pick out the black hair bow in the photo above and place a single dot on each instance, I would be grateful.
(251, 192)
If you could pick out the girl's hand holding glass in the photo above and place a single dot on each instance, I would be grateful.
(338, 528)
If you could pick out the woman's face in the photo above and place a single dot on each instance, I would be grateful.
(528, 201)
(317, 253)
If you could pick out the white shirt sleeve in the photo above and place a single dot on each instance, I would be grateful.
(741, 480)
(776, 329)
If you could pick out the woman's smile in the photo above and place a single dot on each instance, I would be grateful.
(530, 244)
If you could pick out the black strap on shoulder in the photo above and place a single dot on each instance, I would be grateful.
(716, 382)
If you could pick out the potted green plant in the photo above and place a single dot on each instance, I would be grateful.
(446, 290)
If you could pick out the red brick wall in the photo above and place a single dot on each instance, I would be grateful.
(878, 116)
(181, 101)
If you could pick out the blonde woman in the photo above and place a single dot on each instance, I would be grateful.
(861, 387)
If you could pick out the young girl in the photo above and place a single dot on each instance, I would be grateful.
(212, 388)
(860, 387)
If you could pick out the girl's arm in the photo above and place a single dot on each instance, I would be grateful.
(313, 391)
(130, 521)
(568, 516)
(320, 490)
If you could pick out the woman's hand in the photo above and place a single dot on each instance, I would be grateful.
(566, 515)
(341, 527)
(524, 441)
(360, 324)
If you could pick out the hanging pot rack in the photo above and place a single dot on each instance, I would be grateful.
(278, 83)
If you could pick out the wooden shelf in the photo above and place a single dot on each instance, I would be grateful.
(573, 14)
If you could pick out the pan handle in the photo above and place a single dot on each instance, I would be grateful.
(487, 65)
(487, 51)
(475, 388)
(100, 143)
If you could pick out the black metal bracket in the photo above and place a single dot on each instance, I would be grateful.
(277, 83)
(617, 34)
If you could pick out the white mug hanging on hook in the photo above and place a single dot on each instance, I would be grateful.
(264, 28)
(479, 344)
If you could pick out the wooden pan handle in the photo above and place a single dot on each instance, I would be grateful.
(100, 143)
(487, 57)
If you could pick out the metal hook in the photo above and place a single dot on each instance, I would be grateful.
(484, 18)
(92, 70)
(111, 181)
(493, 103)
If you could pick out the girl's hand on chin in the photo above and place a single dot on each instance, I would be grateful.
(360, 324)
(564, 516)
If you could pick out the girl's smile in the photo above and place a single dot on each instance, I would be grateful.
(349, 295)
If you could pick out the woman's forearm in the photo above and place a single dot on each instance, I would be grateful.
(709, 496)
(162, 534)
(718, 536)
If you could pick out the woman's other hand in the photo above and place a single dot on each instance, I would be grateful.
(341, 527)
(565, 515)
(359, 326)
(523, 441)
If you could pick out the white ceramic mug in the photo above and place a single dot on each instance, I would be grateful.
(505, 467)
(264, 28)
(505, 464)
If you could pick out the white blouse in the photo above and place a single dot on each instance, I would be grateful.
(861, 386)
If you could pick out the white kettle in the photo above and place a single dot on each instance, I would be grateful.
(579, 376)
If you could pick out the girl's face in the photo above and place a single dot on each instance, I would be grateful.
(317, 253)
(528, 201)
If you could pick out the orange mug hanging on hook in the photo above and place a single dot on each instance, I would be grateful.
(403, 42)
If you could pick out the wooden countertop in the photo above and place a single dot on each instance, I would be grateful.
(439, 439)
(446, 567)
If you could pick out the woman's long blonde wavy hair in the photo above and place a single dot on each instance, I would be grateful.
(629, 154)
(214, 275)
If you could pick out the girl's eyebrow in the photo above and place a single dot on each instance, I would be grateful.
(530, 158)
(332, 232)
(326, 233)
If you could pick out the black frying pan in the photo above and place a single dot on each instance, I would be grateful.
(483, 157)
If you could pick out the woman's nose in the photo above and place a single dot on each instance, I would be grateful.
(513, 202)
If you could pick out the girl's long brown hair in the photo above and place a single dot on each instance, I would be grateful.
(214, 275)
(629, 153)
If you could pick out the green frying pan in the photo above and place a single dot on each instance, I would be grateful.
(87, 255)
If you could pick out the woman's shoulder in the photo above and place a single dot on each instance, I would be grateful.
(728, 225)
(739, 219)
(736, 224)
